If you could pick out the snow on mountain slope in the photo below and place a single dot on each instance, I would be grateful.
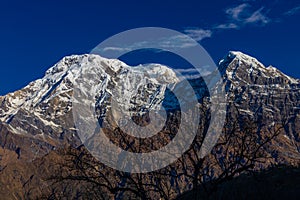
(266, 95)
(41, 113)
(49, 99)
(252, 66)
(38, 118)
(43, 108)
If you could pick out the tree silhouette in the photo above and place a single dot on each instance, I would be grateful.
(241, 148)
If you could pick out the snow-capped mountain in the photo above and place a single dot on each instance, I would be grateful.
(259, 90)
(40, 117)
(43, 108)
(266, 95)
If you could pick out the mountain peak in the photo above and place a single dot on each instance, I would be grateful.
(70, 64)
(240, 56)
(237, 65)
(56, 87)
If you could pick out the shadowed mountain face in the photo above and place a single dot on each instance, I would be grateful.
(265, 95)
(36, 122)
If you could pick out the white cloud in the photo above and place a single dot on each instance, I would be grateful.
(177, 41)
(198, 34)
(258, 18)
(237, 17)
(115, 49)
(236, 12)
(227, 26)
(189, 70)
(191, 73)
(244, 14)
(173, 42)
(293, 11)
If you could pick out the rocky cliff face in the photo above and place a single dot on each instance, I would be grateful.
(39, 118)
(267, 96)
(43, 109)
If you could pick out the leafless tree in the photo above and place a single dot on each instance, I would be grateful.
(241, 148)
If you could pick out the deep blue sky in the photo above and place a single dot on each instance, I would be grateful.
(34, 35)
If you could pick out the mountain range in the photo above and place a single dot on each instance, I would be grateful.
(37, 122)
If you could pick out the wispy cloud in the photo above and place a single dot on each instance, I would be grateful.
(236, 17)
(192, 73)
(227, 26)
(172, 42)
(115, 49)
(235, 13)
(293, 11)
(258, 17)
(179, 41)
(198, 34)
(189, 70)
(242, 15)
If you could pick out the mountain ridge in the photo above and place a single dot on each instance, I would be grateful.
(253, 62)
(36, 121)
(58, 80)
